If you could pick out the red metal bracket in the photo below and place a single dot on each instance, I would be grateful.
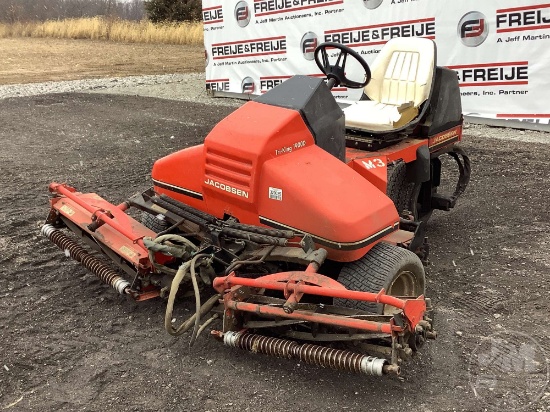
(295, 284)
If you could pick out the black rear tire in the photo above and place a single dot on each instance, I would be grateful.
(399, 189)
(419, 212)
(153, 222)
(399, 271)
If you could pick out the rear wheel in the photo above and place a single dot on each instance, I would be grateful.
(420, 206)
(153, 222)
(406, 195)
(399, 271)
(399, 189)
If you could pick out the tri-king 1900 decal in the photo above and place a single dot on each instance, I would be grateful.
(288, 149)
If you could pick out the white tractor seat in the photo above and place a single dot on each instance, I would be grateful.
(402, 77)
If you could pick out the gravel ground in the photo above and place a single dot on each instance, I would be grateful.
(190, 87)
(182, 87)
(69, 343)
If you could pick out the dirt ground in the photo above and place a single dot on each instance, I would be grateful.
(69, 343)
(32, 60)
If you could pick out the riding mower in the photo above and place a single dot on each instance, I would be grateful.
(300, 222)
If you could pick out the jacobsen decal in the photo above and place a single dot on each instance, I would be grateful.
(535, 17)
(249, 48)
(267, 7)
(381, 33)
(493, 74)
(227, 188)
(445, 138)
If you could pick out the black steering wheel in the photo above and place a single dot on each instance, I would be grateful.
(336, 74)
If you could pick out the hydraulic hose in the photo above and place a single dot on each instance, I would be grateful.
(200, 310)
(160, 241)
(185, 269)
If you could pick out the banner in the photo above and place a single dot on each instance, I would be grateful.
(499, 48)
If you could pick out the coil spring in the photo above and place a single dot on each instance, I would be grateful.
(335, 358)
(307, 353)
(279, 348)
(94, 265)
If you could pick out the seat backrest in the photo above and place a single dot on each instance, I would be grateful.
(403, 71)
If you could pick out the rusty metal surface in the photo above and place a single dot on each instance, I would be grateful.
(94, 265)
(399, 237)
(333, 320)
(413, 309)
(120, 232)
(308, 353)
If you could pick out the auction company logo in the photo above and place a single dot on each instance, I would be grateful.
(508, 371)
(493, 74)
(473, 29)
(271, 7)
(380, 33)
(242, 13)
(534, 17)
(269, 82)
(247, 85)
(212, 15)
(249, 48)
(372, 4)
(217, 85)
(308, 44)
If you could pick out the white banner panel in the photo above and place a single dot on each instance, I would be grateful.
(499, 48)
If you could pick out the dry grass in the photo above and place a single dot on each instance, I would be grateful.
(30, 60)
(108, 29)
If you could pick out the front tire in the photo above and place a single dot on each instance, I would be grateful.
(397, 270)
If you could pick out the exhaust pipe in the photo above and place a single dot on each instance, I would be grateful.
(93, 264)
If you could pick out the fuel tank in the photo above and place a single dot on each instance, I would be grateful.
(277, 162)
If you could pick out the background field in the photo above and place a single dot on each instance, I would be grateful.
(31, 60)
(111, 29)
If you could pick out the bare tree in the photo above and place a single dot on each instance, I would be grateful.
(134, 10)
(41, 10)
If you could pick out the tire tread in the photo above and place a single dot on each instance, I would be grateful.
(399, 189)
(152, 222)
(373, 271)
